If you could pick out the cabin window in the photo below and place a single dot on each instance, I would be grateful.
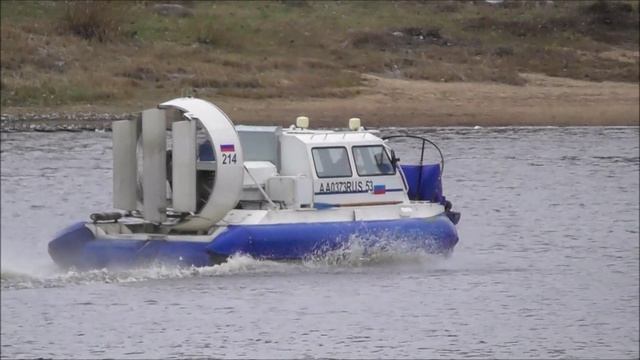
(372, 160)
(331, 162)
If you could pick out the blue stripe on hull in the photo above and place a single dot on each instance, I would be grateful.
(76, 246)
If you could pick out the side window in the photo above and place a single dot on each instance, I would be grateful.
(331, 162)
(372, 160)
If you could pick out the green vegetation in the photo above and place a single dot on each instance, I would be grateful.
(60, 53)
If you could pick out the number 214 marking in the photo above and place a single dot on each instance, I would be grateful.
(228, 159)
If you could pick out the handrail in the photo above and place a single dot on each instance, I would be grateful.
(264, 193)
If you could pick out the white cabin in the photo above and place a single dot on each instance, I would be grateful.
(301, 168)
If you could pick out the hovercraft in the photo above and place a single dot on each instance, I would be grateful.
(192, 189)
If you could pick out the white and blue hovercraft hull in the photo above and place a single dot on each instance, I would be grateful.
(78, 246)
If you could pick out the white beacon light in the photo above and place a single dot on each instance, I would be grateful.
(354, 124)
(302, 122)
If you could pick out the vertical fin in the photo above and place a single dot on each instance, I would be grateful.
(184, 165)
(125, 164)
(154, 167)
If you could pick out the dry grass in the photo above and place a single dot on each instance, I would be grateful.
(94, 20)
(57, 53)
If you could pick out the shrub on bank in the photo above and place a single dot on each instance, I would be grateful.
(94, 20)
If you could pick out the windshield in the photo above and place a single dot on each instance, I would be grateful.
(372, 160)
(331, 162)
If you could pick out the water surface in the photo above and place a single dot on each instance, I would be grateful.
(546, 267)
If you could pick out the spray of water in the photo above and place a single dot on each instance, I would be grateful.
(359, 252)
(369, 250)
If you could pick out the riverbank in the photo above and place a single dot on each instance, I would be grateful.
(78, 65)
(543, 101)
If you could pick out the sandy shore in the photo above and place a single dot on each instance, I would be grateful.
(394, 102)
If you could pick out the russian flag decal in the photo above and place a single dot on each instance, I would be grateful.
(379, 189)
(227, 148)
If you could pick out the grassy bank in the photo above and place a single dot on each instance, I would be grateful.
(128, 54)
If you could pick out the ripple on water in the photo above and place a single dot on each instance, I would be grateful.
(547, 264)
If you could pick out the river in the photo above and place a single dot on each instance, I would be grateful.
(547, 265)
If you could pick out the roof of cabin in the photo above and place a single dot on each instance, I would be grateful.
(326, 137)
